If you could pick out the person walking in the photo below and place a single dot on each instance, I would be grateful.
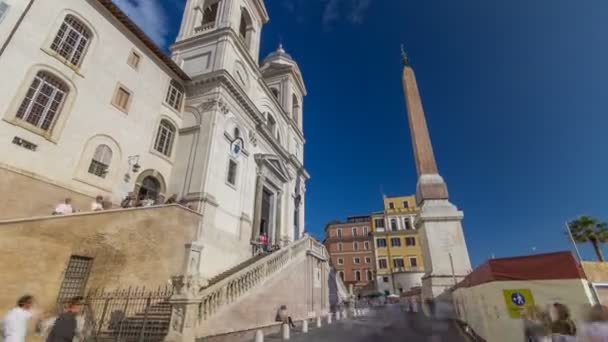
(66, 326)
(595, 326)
(15, 321)
(563, 328)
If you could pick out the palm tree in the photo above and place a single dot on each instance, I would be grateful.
(589, 229)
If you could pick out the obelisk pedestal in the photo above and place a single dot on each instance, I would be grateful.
(446, 258)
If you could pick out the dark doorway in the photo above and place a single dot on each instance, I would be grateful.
(265, 217)
(150, 188)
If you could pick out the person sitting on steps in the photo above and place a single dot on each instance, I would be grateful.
(282, 316)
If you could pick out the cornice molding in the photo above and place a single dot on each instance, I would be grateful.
(228, 32)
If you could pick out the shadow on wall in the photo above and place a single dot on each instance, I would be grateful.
(112, 249)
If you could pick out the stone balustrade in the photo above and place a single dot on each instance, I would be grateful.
(204, 28)
(233, 287)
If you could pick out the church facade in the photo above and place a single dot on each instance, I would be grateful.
(90, 106)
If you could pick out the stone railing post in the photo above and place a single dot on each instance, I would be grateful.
(184, 308)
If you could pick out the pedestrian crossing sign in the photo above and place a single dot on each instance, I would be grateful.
(517, 301)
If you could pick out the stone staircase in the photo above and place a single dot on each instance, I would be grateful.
(151, 325)
(248, 295)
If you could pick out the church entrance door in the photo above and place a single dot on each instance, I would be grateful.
(266, 213)
(150, 188)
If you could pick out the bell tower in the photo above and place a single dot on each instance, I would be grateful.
(210, 19)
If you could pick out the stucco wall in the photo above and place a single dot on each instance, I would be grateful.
(27, 195)
(132, 247)
(88, 118)
(483, 307)
(294, 286)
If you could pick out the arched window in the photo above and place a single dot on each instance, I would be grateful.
(101, 161)
(72, 40)
(164, 138)
(393, 224)
(408, 223)
(295, 108)
(272, 124)
(358, 275)
(43, 101)
(210, 14)
(370, 275)
(275, 92)
(245, 26)
(341, 273)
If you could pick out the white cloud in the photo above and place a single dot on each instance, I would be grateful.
(353, 10)
(149, 16)
(358, 11)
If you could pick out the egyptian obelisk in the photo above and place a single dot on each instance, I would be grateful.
(446, 259)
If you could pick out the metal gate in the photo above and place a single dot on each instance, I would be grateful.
(131, 315)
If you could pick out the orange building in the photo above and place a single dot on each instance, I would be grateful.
(350, 245)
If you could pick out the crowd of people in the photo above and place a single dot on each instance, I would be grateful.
(556, 325)
(68, 326)
(130, 201)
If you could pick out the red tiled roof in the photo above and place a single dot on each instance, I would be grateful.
(558, 265)
(141, 35)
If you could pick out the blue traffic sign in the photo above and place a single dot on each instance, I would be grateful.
(518, 299)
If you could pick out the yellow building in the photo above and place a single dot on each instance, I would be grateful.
(399, 264)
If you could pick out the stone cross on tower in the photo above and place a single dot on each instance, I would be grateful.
(446, 259)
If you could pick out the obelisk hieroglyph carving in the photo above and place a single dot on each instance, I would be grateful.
(446, 258)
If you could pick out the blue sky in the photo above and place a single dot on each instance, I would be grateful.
(515, 94)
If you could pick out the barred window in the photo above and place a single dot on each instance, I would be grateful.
(101, 161)
(175, 95)
(43, 101)
(164, 138)
(72, 40)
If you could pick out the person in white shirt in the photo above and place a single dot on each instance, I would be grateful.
(15, 321)
(98, 204)
(64, 208)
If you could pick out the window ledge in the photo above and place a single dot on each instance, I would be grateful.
(64, 61)
(161, 156)
(48, 135)
(122, 110)
(233, 186)
(177, 112)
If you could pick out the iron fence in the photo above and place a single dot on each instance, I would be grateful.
(128, 315)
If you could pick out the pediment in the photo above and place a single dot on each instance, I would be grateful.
(275, 165)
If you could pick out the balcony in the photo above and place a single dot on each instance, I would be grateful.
(204, 27)
(408, 269)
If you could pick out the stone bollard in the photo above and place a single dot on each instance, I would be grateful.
(285, 331)
(338, 315)
(318, 321)
(305, 326)
(259, 336)
(329, 318)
